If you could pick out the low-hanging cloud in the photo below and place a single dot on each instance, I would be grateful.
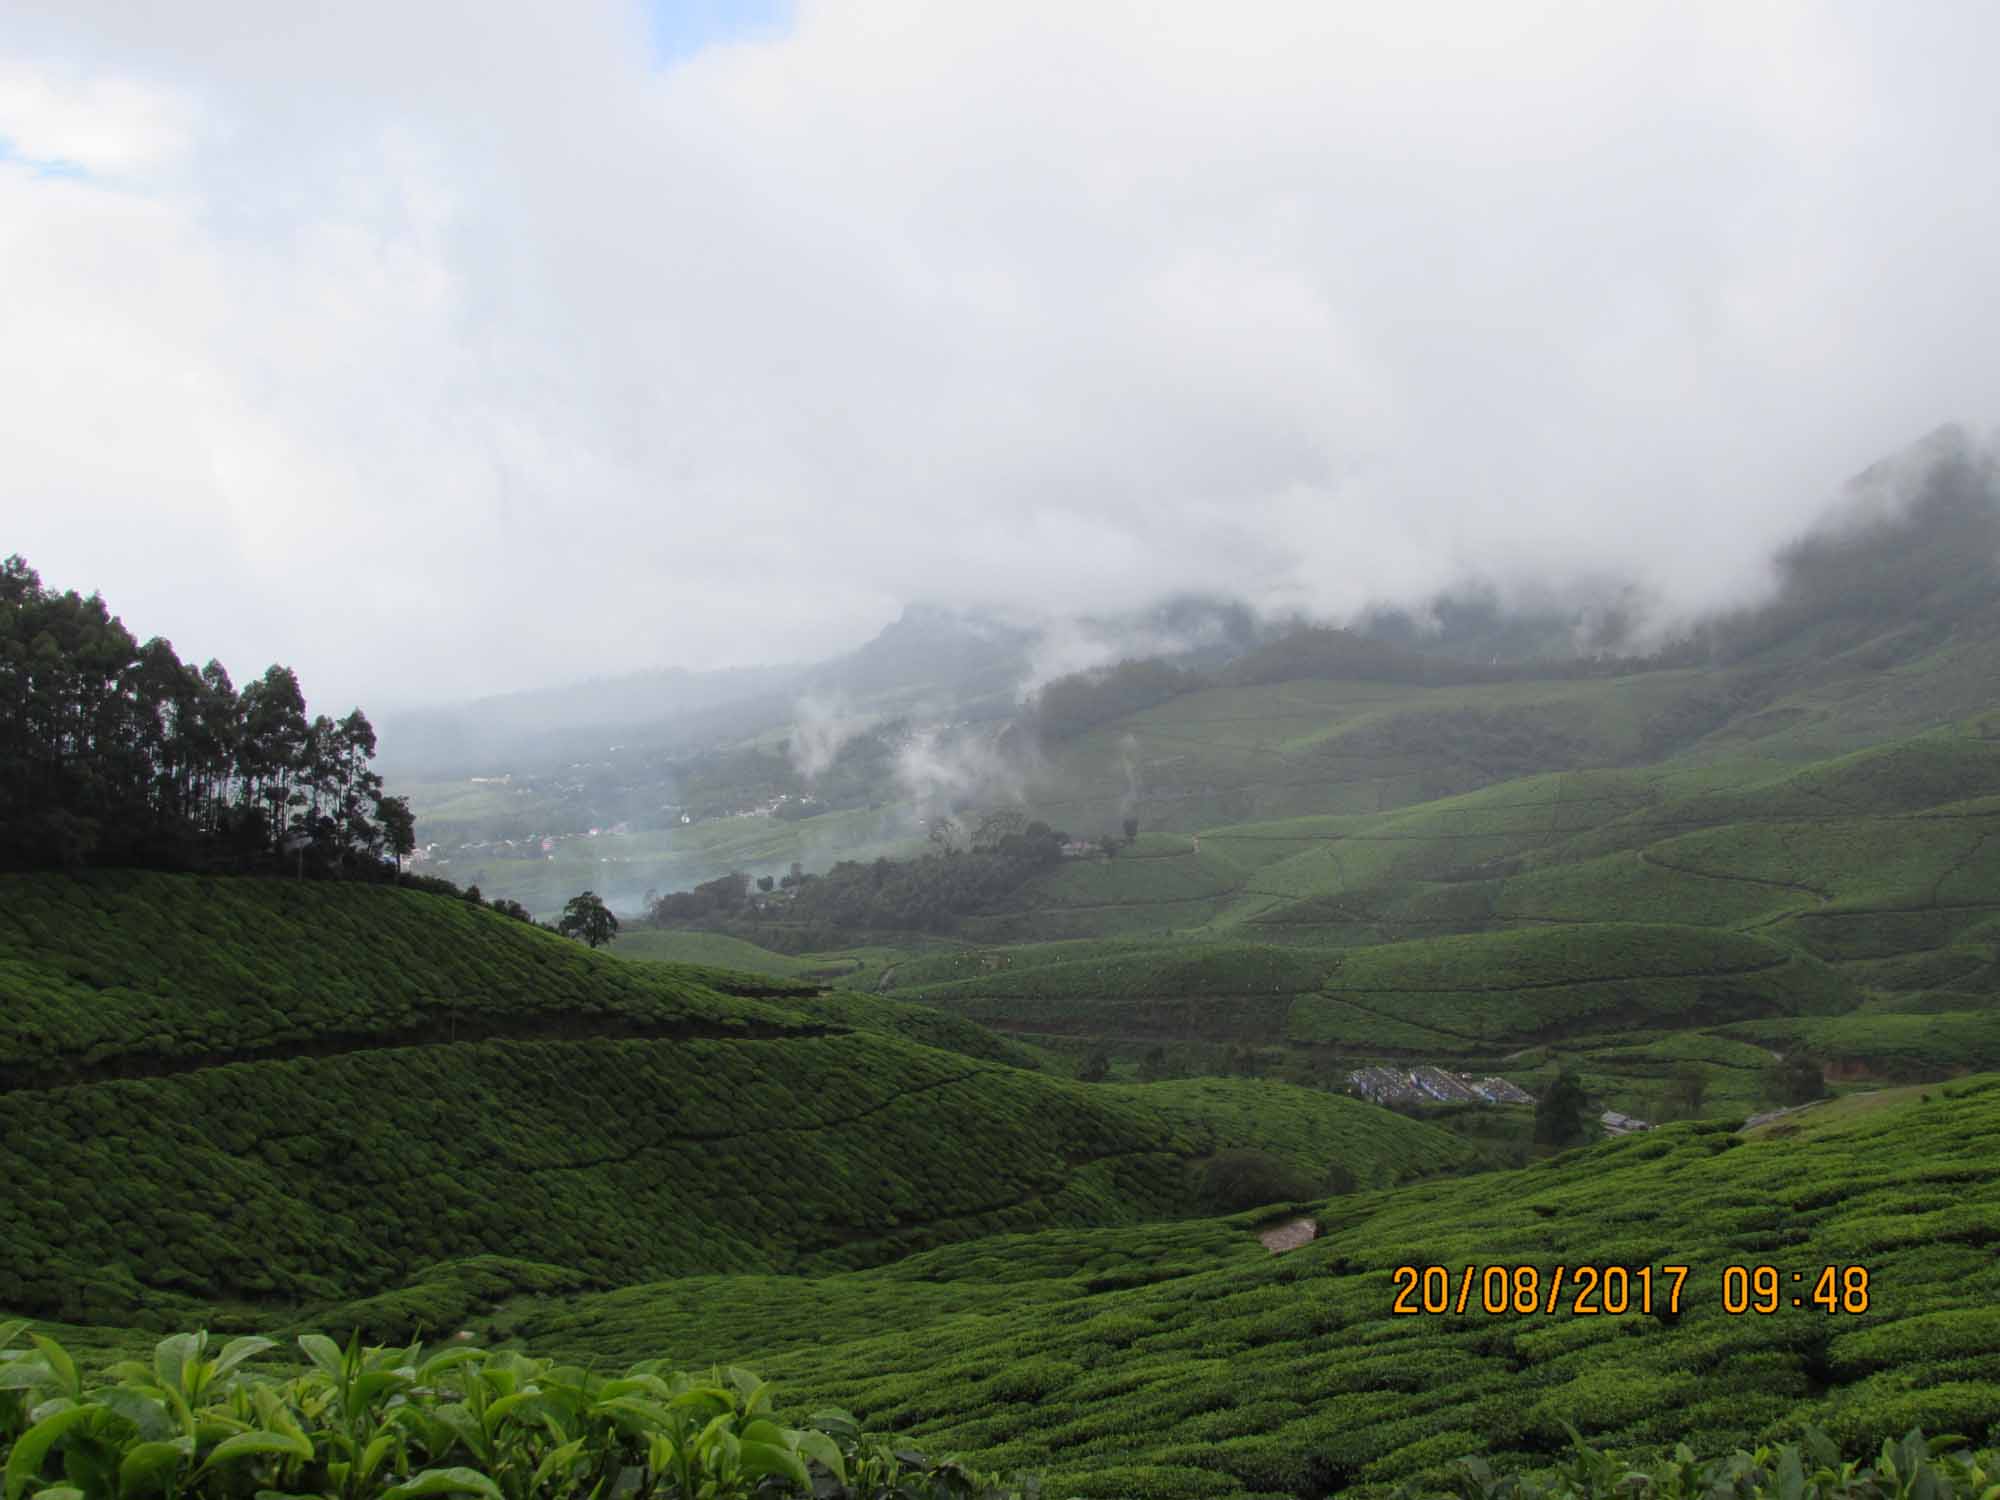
(1068, 645)
(444, 349)
(940, 768)
(821, 728)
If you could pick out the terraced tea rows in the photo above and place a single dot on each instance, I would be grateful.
(684, 1130)
(1185, 1361)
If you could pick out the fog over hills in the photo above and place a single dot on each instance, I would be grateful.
(1054, 718)
(418, 375)
(1882, 618)
(1915, 537)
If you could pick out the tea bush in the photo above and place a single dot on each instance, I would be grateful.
(397, 1424)
(1172, 1328)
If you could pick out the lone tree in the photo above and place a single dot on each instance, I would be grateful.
(399, 826)
(587, 917)
(1559, 1112)
(1794, 1079)
(1688, 1091)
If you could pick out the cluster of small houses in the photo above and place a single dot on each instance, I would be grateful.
(1436, 1086)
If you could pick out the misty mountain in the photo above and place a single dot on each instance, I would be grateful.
(946, 657)
(931, 661)
(667, 706)
(930, 656)
(1906, 561)
(1476, 623)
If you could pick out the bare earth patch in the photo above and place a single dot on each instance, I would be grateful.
(1289, 1236)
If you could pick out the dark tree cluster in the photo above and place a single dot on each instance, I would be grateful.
(927, 894)
(1792, 1080)
(1069, 706)
(1560, 1112)
(1233, 1181)
(114, 752)
(721, 897)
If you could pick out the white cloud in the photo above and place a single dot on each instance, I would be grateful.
(442, 348)
(102, 124)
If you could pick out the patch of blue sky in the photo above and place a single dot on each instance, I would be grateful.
(681, 28)
(40, 167)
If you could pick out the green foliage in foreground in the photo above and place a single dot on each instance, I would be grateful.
(391, 1424)
(196, 1423)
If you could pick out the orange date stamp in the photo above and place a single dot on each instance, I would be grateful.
(1582, 1291)
(1588, 1291)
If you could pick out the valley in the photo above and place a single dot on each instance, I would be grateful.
(973, 1077)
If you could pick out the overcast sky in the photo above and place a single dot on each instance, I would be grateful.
(442, 348)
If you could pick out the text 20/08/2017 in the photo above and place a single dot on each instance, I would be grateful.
(1586, 1291)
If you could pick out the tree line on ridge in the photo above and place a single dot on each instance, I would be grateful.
(116, 752)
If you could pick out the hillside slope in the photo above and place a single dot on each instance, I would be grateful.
(286, 1093)
(1184, 1361)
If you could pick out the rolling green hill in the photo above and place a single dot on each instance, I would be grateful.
(1214, 992)
(715, 949)
(1184, 1360)
(1482, 993)
(288, 1093)
(1625, 1003)
(356, 1107)
(1866, 881)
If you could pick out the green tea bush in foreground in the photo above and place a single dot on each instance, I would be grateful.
(388, 1424)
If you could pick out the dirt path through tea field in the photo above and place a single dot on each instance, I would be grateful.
(1289, 1235)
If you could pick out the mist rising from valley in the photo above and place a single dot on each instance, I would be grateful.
(684, 777)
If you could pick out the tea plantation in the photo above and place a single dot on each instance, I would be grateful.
(209, 1422)
(1708, 910)
(1185, 1360)
(968, 1254)
(337, 1086)
(299, 1106)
